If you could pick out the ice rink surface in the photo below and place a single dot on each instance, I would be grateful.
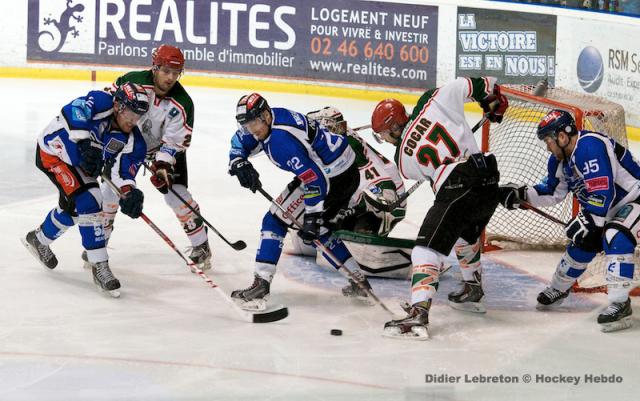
(170, 336)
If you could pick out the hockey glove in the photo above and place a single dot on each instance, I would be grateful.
(247, 175)
(495, 105)
(310, 230)
(131, 202)
(584, 232)
(512, 195)
(90, 158)
(162, 177)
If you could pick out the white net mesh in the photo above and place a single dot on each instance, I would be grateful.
(523, 160)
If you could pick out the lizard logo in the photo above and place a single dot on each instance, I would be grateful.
(69, 32)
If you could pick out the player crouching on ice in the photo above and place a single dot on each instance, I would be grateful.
(368, 226)
(604, 177)
(321, 160)
(72, 150)
(435, 143)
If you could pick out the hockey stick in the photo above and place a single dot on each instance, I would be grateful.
(360, 128)
(258, 317)
(238, 245)
(529, 206)
(327, 252)
(390, 207)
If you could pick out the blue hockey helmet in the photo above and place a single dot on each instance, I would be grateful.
(133, 97)
(250, 107)
(556, 121)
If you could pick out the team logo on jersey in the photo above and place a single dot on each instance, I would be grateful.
(67, 26)
(311, 191)
(114, 146)
(597, 184)
(308, 176)
(173, 112)
(597, 200)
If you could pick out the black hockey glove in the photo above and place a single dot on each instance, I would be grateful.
(162, 177)
(310, 230)
(584, 232)
(247, 175)
(494, 105)
(90, 158)
(512, 195)
(131, 202)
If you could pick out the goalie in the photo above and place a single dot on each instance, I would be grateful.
(364, 228)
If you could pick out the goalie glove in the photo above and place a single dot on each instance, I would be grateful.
(512, 195)
(162, 177)
(584, 232)
(494, 105)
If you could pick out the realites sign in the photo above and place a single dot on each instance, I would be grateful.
(354, 41)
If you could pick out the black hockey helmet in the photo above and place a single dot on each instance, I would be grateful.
(250, 107)
(133, 97)
(556, 121)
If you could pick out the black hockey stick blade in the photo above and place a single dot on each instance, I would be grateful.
(271, 316)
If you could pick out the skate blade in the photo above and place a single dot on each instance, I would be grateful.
(417, 333)
(542, 307)
(255, 305)
(34, 252)
(111, 293)
(621, 324)
(474, 307)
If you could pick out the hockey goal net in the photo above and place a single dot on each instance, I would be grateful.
(522, 159)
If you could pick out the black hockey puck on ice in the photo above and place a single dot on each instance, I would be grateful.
(336, 332)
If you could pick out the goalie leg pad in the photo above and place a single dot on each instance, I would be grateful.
(292, 200)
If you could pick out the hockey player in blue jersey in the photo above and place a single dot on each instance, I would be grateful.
(325, 164)
(72, 151)
(605, 179)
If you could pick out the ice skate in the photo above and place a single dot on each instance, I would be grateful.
(412, 327)
(201, 256)
(104, 279)
(85, 260)
(353, 290)
(616, 317)
(255, 297)
(42, 252)
(551, 297)
(468, 298)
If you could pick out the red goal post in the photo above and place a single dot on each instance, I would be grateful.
(522, 159)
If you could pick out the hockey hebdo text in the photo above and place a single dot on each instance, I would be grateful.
(526, 378)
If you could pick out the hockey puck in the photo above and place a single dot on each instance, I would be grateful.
(336, 332)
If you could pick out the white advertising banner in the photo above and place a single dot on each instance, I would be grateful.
(601, 58)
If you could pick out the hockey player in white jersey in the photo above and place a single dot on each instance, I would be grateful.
(435, 143)
(167, 132)
(380, 182)
(72, 150)
(605, 179)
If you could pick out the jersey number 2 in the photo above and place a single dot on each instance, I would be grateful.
(428, 154)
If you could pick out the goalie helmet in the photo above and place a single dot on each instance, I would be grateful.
(133, 97)
(169, 56)
(387, 114)
(556, 121)
(250, 107)
(331, 118)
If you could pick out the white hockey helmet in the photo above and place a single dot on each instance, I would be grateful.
(331, 118)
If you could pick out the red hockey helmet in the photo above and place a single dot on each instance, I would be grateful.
(387, 114)
(169, 56)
